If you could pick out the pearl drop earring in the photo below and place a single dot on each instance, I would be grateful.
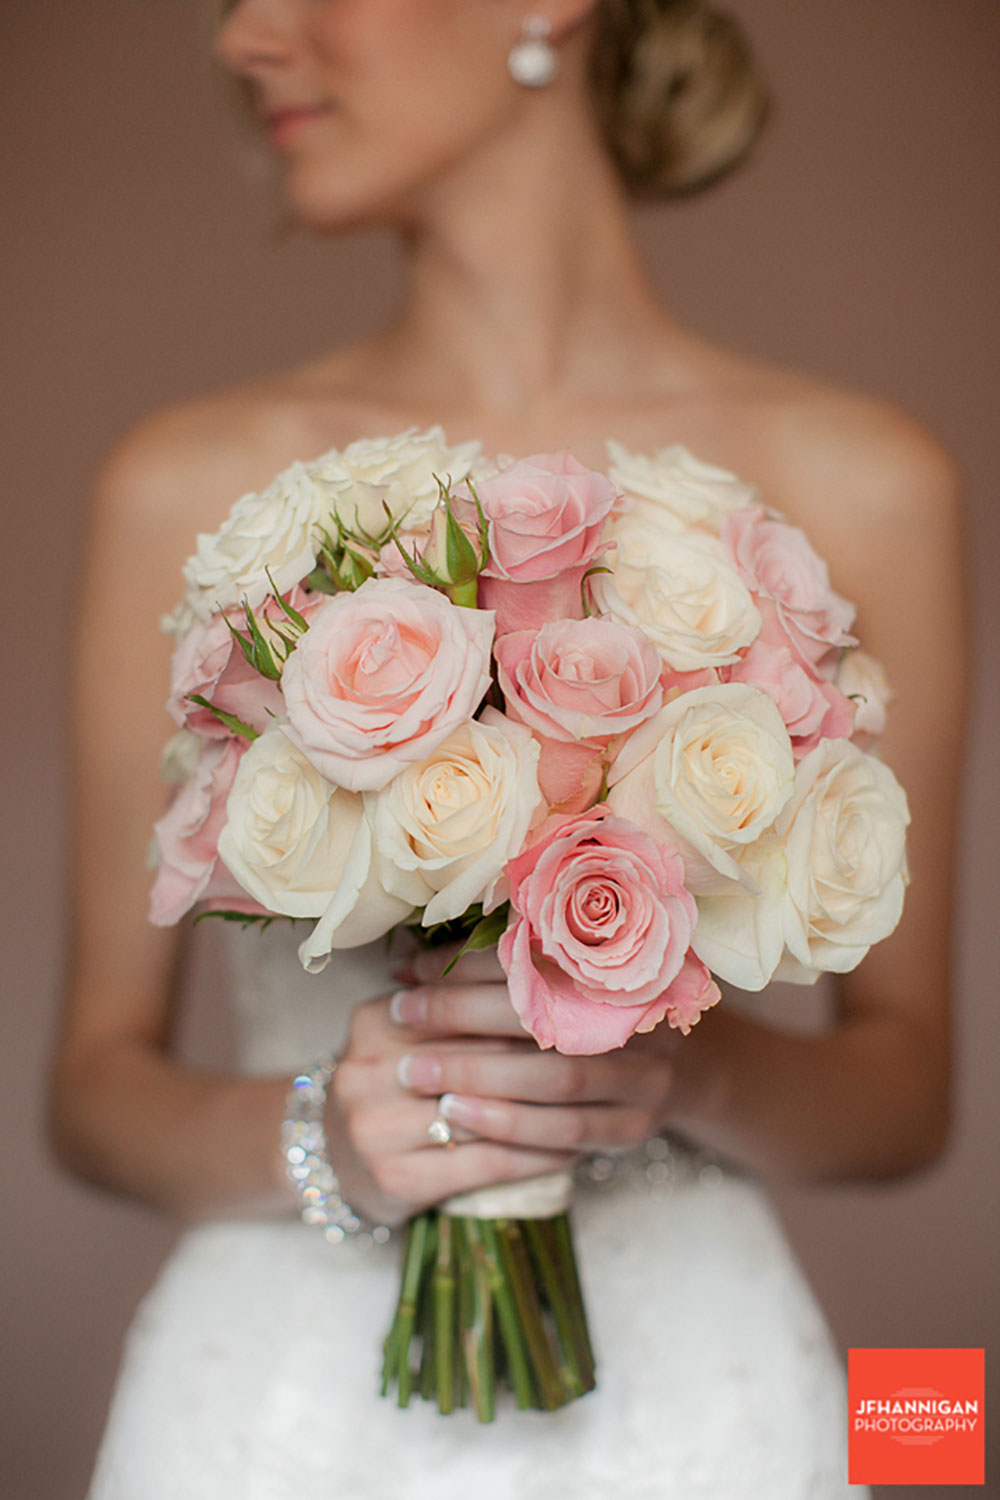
(533, 61)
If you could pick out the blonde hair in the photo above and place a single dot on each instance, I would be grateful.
(679, 97)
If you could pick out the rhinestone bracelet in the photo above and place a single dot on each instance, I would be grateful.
(307, 1161)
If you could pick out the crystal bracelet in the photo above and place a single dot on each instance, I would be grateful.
(307, 1160)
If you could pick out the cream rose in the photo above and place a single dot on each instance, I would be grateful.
(680, 590)
(843, 834)
(274, 531)
(398, 471)
(302, 848)
(717, 766)
(741, 930)
(445, 828)
(862, 679)
(686, 491)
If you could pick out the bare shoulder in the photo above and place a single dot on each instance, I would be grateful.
(194, 458)
(859, 456)
(876, 492)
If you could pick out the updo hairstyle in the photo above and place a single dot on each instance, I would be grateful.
(678, 95)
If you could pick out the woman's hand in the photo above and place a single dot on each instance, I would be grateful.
(377, 1125)
(517, 1110)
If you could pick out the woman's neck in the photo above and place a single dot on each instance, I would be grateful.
(525, 288)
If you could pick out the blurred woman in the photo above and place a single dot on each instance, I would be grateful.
(502, 147)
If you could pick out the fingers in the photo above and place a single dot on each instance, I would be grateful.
(389, 1128)
(551, 1127)
(480, 1009)
(428, 965)
(537, 1077)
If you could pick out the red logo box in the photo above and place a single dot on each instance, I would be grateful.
(916, 1416)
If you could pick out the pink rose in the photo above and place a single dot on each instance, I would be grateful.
(381, 678)
(790, 581)
(207, 661)
(188, 837)
(578, 684)
(545, 516)
(812, 708)
(598, 946)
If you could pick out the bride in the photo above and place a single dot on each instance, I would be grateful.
(502, 146)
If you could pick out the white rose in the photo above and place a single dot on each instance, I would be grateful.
(691, 493)
(862, 679)
(399, 471)
(275, 531)
(710, 772)
(302, 848)
(680, 590)
(740, 932)
(843, 833)
(446, 827)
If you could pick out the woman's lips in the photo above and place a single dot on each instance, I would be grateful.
(283, 124)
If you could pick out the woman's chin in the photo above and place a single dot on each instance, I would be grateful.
(324, 206)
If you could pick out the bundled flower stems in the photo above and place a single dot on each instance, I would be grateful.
(614, 723)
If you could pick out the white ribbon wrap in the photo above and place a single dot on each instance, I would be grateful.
(534, 1198)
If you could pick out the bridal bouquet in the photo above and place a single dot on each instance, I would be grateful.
(614, 724)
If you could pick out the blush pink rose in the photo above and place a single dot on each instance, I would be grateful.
(578, 685)
(381, 678)
(545, 516)
(790, 582)
(188, 839)
(812, 708)
(208, 661)
(598, 945)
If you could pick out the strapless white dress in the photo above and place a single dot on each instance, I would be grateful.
(251, 1370)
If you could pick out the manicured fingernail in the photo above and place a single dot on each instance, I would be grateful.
(408, 1006)
(418, 1072)
(458, 1111)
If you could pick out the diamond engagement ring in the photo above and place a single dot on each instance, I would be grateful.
(439, 1131)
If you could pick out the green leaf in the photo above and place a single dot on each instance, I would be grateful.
(232, 723)
(245, 918)
(484, 525)
(486, 934)
(359, 570)
(320, 582)
(460, 555)
(262, 660)
(287, 609)
(420, 571)
(245, 646)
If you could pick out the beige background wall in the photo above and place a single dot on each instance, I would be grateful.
(139, 267)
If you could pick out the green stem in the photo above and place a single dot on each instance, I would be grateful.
(466, 595)
(477, 1333)
(407, 1311)
(519, 1274)
(466, 1310)
(390, 1343)
(425, 1319)
(485, 1234)
(555, 1295)
(444, 1317)
(566, 1260)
